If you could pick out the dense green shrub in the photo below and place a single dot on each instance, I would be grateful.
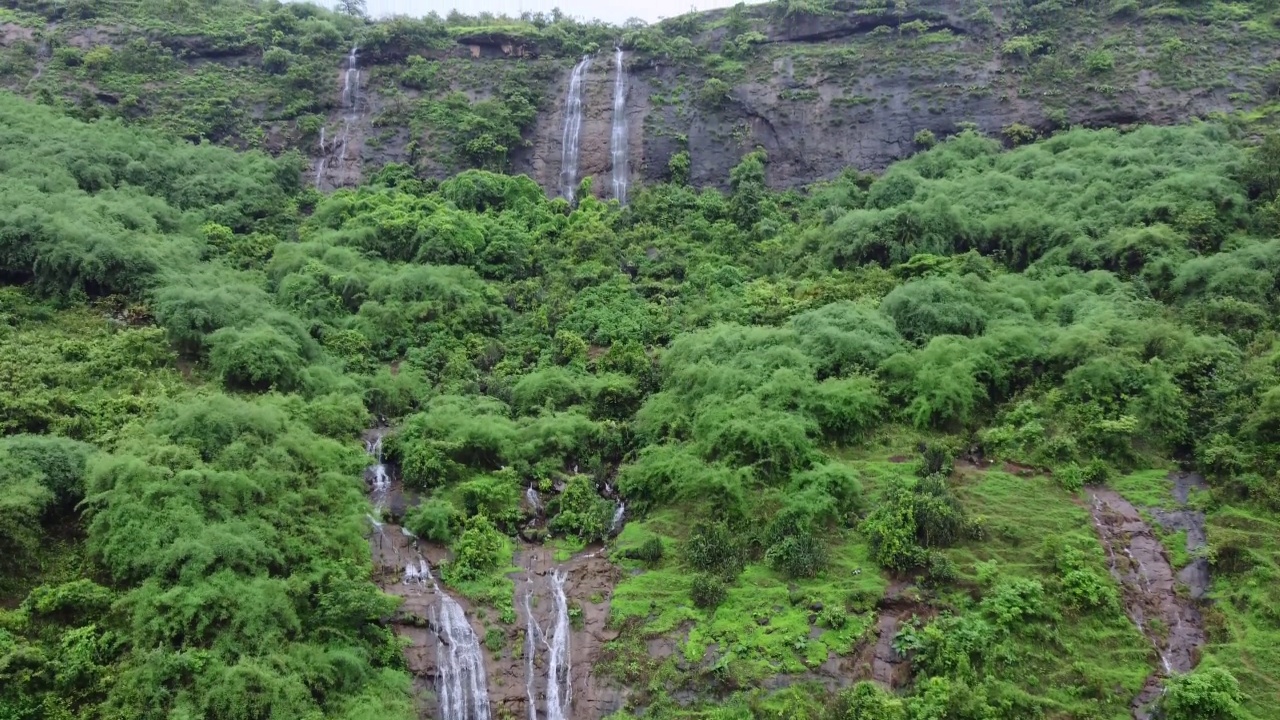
(707, 591)
(713, 548)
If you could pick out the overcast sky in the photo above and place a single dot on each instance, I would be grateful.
(614, 11)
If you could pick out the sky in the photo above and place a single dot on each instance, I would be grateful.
(613, 11)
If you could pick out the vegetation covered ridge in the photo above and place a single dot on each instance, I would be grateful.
(799, 395)
(820, 83)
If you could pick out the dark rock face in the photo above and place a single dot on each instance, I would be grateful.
(849, 88)
(822, 93)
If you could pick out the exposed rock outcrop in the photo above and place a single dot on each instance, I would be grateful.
(1139, 563)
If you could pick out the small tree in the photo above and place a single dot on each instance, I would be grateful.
(356, 8)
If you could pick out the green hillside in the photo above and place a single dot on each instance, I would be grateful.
(993, 434)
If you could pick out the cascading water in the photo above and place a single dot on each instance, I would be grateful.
(531, 633)
(351, 108)
(618, 516)
(461, 684)
(618, 138)
(572, 129)
(559, 685)
(559, 688)
(535, 501)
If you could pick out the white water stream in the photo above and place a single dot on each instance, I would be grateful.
(351, 113)
(559, 665)
(618, 138)
(572, 129)
(461, 685)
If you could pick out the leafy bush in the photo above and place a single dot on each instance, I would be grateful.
(1099, 62)
(650, 551)
(713, 548)
(1207, 693)
(259, 357)
(865, 701)
(707, 591)
(433, 520)
(798, 556)
(581, 512)
(925, 139)
(479, 550)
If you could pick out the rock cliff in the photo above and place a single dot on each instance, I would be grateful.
(857, 85)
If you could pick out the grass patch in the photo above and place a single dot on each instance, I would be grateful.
(1146, 488)
(767, 625)
(1088, 664)
(1243, 624)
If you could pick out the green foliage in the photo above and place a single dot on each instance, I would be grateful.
(908, 520)
(714, 549)
(707, 591)
(1207, 693)
(1099, 62)
(742, 360)
(580, 512)
(925, 139)
(434, 521)
(479, 550)
(650, 552)
(865, 701)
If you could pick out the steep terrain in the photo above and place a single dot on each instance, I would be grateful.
(821, 87)
(303, 415)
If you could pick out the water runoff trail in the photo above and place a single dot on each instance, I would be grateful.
(618, 140)
(571, 135)
(336, 148)
(461, 684)
(551, 643)
(1147, 582)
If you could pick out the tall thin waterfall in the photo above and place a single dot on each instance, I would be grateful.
(531, 632)
(559, 666)
(559, 688)
(351, 112)
(618, 138)
(572, 129)
(350, 97)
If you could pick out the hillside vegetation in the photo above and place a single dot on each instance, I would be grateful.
(861, 429)
(192, 343)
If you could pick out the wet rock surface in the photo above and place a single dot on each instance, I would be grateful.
(589, 579)
(1196, 574)
(1149, 591)
(518, 670)
(876, 659)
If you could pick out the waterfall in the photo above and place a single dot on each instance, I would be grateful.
(351, 80)
(461, 685)
(531, 632)
(351, 108)
(559, 666)
(618, 138)
(379, 479)
(618, 515)
(572, 129)
(535, 501)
